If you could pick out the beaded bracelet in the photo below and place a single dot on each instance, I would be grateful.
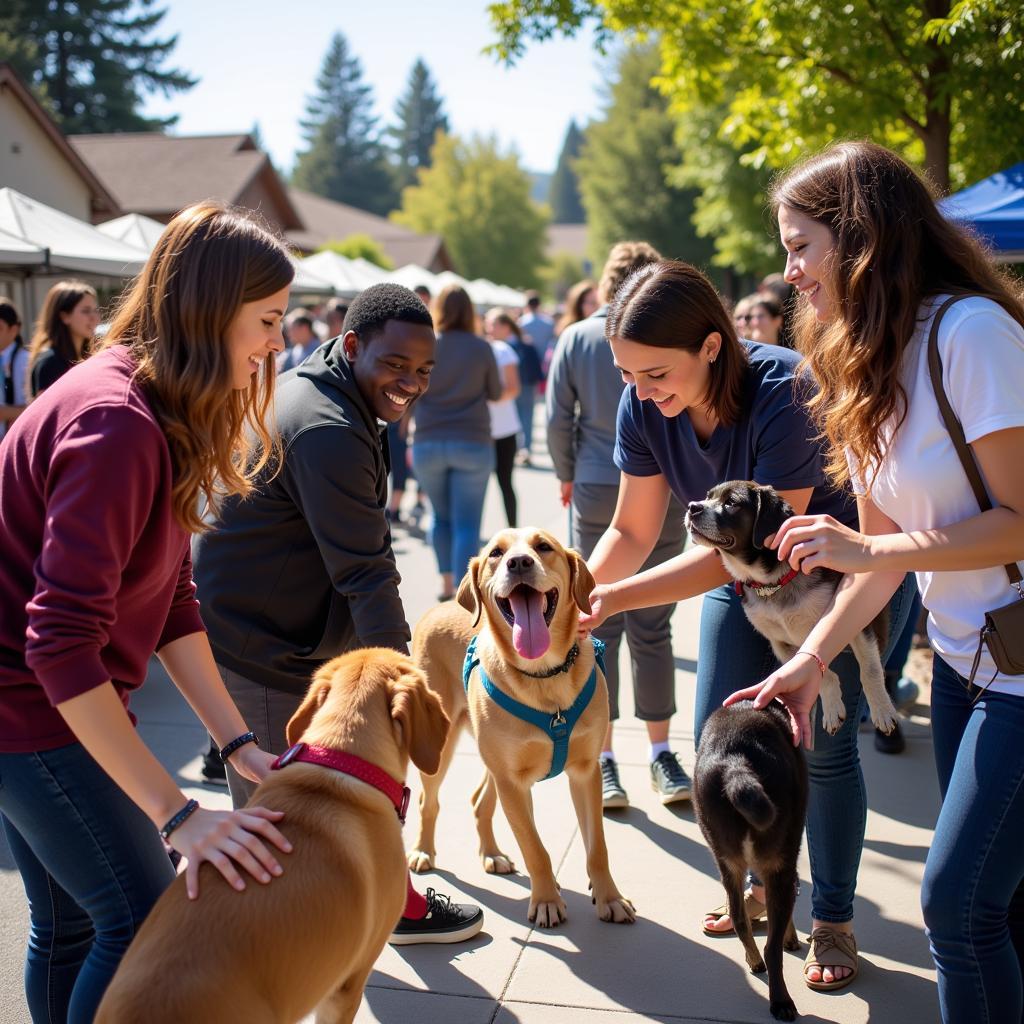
(817, 659)
(180, 818)
(239, 741)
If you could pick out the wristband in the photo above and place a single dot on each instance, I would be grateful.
(180, 818)
(239, 741)
(821, 664)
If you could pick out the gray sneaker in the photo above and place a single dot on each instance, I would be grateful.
(668, 779)
(612, 793)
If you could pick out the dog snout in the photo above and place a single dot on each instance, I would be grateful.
(695, 508)
(520, 564)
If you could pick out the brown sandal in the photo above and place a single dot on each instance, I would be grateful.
(756, 913)
(830, 947)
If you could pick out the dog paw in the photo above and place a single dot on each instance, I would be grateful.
(757, 967)
(617, 910)
(420, 861)
(884, 718)
(783, 1009)
(498, 864)
(547, 913)
(791, 943)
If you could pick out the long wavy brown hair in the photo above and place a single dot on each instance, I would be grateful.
(173, 318)
(893, 250)
(50, 331)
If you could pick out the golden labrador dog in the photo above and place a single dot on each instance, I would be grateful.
(273, 953)
(524, 591)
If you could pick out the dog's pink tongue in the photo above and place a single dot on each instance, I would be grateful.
(530, 635)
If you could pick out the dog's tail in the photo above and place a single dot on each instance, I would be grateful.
(744, 791)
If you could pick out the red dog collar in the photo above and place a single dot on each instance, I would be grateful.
(764, 589)
(349, 764)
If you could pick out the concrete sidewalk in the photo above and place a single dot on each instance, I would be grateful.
(662, 968)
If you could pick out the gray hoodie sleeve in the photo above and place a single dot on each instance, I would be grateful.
(560, 402)
(331, 473)
(494, 387)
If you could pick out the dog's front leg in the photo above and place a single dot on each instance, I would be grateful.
(872, 678)
(585, 787)
(547, 908)
(485, 800)
(424, 853)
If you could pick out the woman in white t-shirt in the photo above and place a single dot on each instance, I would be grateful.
(873, 260)
(506, 425)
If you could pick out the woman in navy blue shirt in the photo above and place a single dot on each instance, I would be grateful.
(702, 407)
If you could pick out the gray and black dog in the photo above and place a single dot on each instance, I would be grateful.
(781, 604)
(750, 795)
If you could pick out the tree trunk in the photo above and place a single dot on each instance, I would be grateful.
(936, 149)
(937, 118)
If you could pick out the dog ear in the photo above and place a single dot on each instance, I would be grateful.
(469, 595)
(770, 512)
(580, 580)
(417, 711)
(317, 693)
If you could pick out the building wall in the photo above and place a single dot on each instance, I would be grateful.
(32, 164)
(259, 198)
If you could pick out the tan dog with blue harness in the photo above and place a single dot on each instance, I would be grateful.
(536, 699)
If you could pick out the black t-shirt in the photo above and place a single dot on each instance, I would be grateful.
(47, 370)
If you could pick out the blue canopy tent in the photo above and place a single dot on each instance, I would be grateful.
(994, 209)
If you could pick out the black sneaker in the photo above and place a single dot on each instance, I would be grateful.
(444, 922)
(612, 793)
(212, 772)
(668, 779)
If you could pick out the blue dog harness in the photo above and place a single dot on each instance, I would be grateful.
(558, 726)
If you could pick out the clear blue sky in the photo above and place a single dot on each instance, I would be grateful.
(258, 62)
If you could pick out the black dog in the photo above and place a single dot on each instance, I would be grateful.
(750, 795)
(783, 605)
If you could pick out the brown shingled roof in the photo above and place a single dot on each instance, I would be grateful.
(156, 174)
(327, 221)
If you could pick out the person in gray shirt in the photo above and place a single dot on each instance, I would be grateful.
(583, 393)
(452, 450)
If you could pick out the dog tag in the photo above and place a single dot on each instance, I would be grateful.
(288, 756)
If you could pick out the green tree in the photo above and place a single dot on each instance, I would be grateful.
(420, 114)
(562, 272)
(940, 81)
(359, 245)
(344, 159)
(478, 198)
(564, 190)
(92, 61)
(625, 169)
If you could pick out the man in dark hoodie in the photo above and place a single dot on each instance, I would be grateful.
(302, 570)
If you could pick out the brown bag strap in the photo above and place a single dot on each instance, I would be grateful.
(956, 431)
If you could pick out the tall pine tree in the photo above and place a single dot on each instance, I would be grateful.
(91, 61)
(344, 159)
(421, 116)
(564, 190)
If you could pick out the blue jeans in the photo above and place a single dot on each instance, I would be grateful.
(972, 893)
(454, 474)
(92, 864)
(733, 655)
(524, 405)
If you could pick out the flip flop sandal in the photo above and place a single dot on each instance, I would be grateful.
(831, 948)
(757, 913)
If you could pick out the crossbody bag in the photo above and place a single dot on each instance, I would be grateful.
(1003, 630)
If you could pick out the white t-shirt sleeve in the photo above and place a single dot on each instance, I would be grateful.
(982, 351)
(504, 355)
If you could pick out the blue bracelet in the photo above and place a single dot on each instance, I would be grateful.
(180, 818)
(239, 741)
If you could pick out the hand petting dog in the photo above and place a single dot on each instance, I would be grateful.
(812, 542)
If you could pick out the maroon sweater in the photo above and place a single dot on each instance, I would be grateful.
(96, 573)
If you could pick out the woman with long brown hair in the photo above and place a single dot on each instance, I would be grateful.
(702, 407)
(100, 487)
(885, 279)
(63, 333)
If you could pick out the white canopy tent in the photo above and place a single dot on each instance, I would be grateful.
(347, 278)
(16, 252)
(135, 229)
(71, 245)
(412, 275)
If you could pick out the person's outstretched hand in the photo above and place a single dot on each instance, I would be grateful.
(600, 599)
(809, 542)
(252, 763)
(797, 684)
(229, 840)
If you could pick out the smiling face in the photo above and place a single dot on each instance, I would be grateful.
(808, 244)
(529, 586)
(82, 321)
(254, 336)
(672, 378)
(392, 369)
